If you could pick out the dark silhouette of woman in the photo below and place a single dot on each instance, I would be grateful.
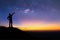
(10, 19)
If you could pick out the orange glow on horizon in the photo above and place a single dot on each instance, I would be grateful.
(39, 25)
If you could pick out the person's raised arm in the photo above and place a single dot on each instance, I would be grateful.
(13, 13)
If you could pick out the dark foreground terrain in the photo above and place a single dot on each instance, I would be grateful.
(14, 33)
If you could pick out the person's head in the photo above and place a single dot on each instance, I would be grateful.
(9, 14)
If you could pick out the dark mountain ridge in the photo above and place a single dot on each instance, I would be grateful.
(10, 32)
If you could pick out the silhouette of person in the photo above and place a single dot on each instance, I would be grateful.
(10, 19)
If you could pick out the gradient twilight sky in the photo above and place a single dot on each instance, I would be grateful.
(45, 12)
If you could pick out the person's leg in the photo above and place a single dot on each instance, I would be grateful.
(9, 23)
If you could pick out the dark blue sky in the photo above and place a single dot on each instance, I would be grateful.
(47, 10)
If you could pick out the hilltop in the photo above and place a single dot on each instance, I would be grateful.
(10, 32)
